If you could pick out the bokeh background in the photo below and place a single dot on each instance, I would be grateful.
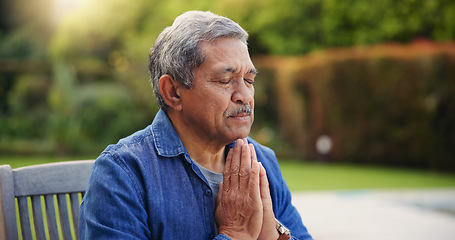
(369, 82)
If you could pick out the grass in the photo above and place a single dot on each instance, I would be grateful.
(305, 176)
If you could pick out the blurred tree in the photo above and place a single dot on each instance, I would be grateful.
(28, 107)
(61, 97)
(277, 27)
(300, 26)
(108, 105)
(103, 45)
(5, 16)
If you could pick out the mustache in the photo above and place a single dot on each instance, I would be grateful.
(246, 108)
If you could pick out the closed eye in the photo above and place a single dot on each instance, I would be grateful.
(249, 81)
(225, 82)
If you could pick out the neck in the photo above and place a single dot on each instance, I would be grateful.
(207, 153)
(211, 158)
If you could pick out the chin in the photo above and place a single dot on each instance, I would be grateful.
(242, 135)
(238, 133)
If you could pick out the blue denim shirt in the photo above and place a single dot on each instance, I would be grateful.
(147, 187)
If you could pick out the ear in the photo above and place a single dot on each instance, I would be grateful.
(169, 89)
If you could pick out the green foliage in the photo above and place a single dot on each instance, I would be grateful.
(28, 108)
(20, 44)
(70, 80)
(105, 113)
(61, 115)
(88, 117)
(275, 26)
(300, 26)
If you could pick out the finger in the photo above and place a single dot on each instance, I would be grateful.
(264, 186)
(245, 166)
(253, 153)
(268, 224)
(233, 170)
(254, 182)
(226, 173)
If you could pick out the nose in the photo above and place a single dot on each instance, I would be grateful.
(243, 93)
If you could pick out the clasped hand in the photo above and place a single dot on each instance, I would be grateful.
(244, 206)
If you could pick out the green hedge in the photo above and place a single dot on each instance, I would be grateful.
(386, 104)
(300, 26)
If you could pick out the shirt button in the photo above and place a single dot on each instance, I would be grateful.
(208, 192)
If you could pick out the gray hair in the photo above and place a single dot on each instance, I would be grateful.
(176, 51)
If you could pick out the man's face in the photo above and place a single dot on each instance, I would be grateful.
(220, 105)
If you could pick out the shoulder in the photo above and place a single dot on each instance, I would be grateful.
(123, 165)
(129, 155)
(135, 147)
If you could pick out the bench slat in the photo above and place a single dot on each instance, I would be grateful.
(38, 217)
(24, 218)
(51, 216)
(64, 216)
(75, 205)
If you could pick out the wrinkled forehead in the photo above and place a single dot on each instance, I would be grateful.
(227, 55)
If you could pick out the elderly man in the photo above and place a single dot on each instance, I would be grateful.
(193, 173)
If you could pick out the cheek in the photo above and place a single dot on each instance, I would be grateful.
(215, 105)
(217, 101)
(223, 98)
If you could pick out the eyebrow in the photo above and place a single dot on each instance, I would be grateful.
(253, 71)
(233, 70)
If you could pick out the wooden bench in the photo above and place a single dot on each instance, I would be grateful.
(48, 198)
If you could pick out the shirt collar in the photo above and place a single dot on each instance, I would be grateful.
(167, 141)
